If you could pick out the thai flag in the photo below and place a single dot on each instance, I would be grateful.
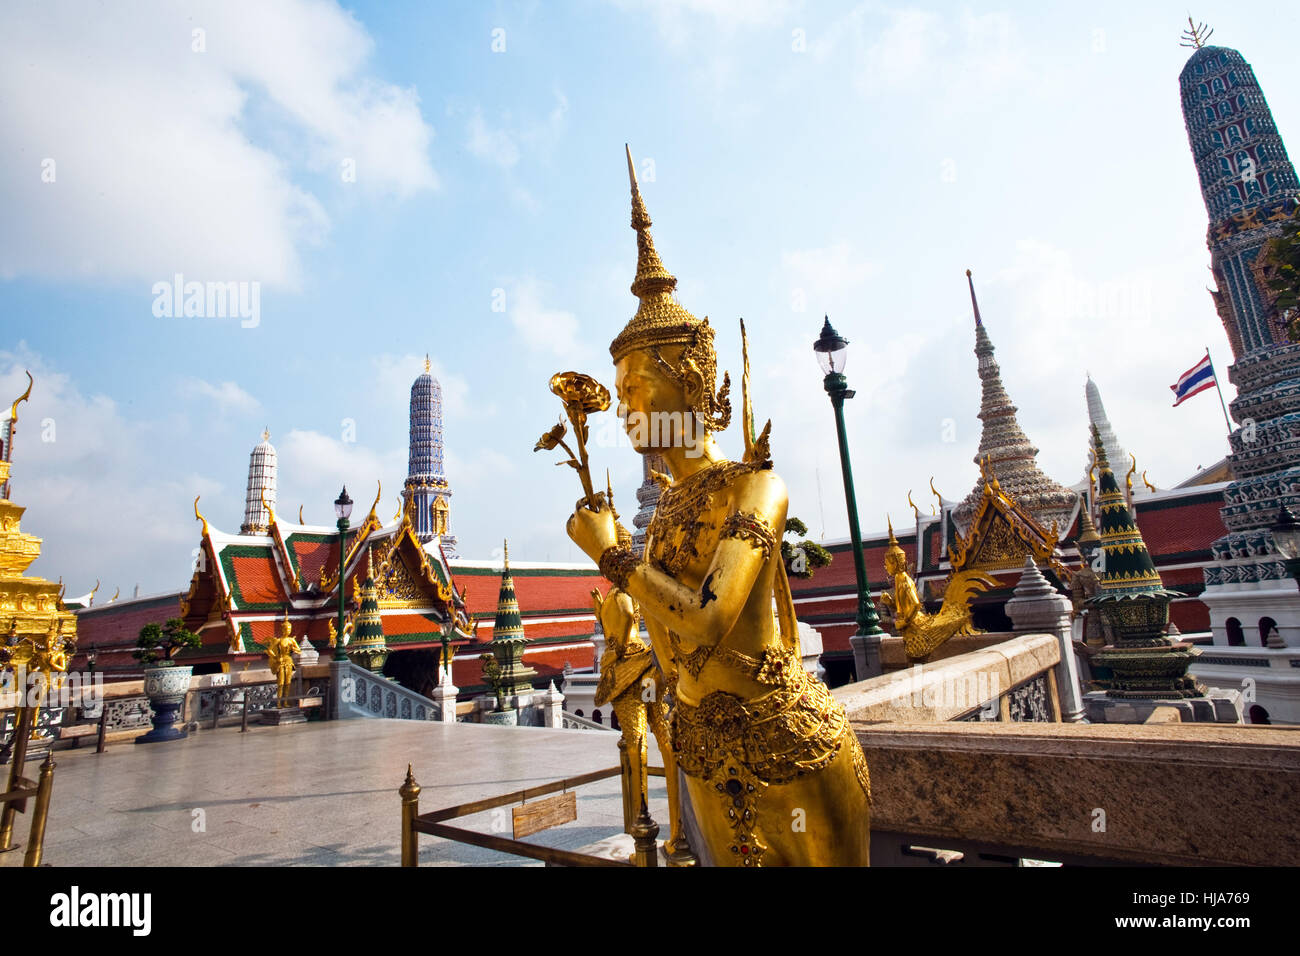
(1196, 379)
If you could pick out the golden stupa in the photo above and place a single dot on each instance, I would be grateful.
(37, 633)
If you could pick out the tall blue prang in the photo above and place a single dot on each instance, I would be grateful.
(426, 492)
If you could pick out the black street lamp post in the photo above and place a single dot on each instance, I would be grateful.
(343, 510)
(832, 349)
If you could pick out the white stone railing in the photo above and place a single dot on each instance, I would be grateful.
(360, 693)
(574, 722)
(1011, 681)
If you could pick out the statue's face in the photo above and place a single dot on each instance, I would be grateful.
(652, 405)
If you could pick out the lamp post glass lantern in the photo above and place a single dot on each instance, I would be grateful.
(831, 349)
(343, 510)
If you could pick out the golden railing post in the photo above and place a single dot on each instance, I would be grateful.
(644, 831)
(17, 759)
(40, 813)
(410, 793)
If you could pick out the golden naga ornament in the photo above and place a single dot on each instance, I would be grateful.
(924, 633)
(773, 771)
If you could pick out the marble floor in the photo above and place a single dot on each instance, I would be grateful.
(316, 794)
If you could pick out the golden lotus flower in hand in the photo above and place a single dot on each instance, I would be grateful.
(580, 391)
(551, 439)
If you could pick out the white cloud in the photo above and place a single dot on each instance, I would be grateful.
(894, 47)
(313, 467)
(504, 144)
(226, 395)
(168, 158)
(110, 497)
(677, 20)
(496, 146)
(828, 272)
(542, 329)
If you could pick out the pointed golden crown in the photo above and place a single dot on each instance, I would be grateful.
(661, 320)
(893, 547)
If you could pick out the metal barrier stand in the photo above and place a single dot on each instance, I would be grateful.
(20, 789)
(414, 823)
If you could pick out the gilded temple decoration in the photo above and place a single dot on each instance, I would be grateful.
(923, 633)
(40, 632)
(1002, 533)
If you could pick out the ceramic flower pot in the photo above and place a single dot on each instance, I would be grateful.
(166, 686)
(502, 718)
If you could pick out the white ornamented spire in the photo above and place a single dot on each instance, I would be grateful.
(1011, 457)
(1115, 452)
(261, 486)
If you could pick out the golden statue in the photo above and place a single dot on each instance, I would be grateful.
(636, 688)
(280, 653)
(773, 772)
(923, 633)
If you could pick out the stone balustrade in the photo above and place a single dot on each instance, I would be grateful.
(965, 771)
(979, 685)
(1075, 793)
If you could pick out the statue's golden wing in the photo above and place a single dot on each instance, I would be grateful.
(965, 585)
(962, 588)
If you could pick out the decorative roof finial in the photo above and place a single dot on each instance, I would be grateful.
(661, 320)
(13, 411)
(1196, 35)
(974, 304)
(505, 553)
(652, 278)
(266, 433)
(426, 363)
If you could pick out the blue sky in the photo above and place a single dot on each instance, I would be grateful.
(797, 158)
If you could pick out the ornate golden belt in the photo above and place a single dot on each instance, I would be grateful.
(795, 729)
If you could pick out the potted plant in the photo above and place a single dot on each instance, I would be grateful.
(492, 674)
(165, 682)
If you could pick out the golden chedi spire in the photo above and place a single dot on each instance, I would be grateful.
(38, 626)
(652, 278)
(660, 320)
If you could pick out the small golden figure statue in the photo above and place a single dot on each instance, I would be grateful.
(923, 633)
(636, 688)
(773, 771)
(280, 653)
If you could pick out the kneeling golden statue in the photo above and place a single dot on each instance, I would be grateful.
(774, 774)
